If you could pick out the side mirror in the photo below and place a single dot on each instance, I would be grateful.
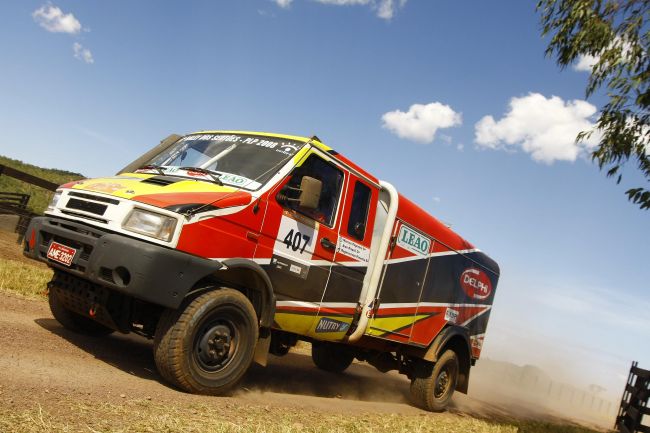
(310, 190)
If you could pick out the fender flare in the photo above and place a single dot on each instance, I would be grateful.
(267, 293)
(444, 337)
(453, 332)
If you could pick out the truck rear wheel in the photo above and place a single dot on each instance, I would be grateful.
(331, 357)
(73, 321)
(207, 345)
(434, 384)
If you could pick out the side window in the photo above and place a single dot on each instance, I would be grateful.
(359, 211)
(332, 179)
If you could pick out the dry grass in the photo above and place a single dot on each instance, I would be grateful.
(144, 416)
(26, 280)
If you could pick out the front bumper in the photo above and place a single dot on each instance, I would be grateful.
(136, 268)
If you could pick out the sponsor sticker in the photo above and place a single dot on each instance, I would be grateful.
(286, 265)
(476, 341)
(451, 315)
(353, 249)
(475, 283)
(330, 325)
(107, 187)
(61, 253)
(287, 148)
(240, 181)
(413, 241)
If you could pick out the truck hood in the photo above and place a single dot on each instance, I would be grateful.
(168, 192)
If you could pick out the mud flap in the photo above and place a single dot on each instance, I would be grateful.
(262, 350)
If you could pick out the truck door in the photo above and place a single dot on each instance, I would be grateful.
(351, 260)
(301, 243)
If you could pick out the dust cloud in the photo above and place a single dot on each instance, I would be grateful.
(498, 390)
(530, 392)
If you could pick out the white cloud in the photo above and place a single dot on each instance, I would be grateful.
(283, 3)
(82, 53)
(585, 63)
(544, 127)
(421, 122)
(52, 19)
(384, 9)
(345, 2)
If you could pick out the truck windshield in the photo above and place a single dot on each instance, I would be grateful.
(246, 161)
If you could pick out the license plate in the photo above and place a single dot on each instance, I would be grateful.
(61, 253)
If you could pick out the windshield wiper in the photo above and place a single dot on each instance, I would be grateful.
(158, 168)
(213, 174)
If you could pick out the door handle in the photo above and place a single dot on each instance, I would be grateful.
(326, 243)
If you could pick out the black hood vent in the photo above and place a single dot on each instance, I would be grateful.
(162, 180)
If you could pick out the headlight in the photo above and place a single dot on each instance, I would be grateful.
(150, 224)
(55, 200)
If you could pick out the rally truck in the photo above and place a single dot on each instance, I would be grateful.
(225, 246)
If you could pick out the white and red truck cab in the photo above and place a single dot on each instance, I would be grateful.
(224, 246)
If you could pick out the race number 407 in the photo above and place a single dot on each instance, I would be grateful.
(296, 240)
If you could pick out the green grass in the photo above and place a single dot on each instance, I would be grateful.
(39, 197)
(23, 279)
(145, 416)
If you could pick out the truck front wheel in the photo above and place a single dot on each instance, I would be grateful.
(434, 384)
(207, 345)
(331, 357)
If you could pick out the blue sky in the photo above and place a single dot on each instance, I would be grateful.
(88, 86)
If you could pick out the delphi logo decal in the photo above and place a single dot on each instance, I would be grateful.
(476, 283)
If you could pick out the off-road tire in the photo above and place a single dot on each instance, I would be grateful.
(73, 321)
(434, 384)
(206, 346)
(331, 357)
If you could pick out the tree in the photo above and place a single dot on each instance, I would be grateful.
(615, 34)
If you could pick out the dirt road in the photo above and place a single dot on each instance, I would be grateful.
(41, 362)
(40, 359)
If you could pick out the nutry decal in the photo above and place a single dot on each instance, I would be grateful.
(353, 249)
(413, 241)
(476, 283)
(295, 239)
(330, 325)
(451, 315)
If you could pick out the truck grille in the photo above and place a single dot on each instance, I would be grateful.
(94, 197)
(86, 206)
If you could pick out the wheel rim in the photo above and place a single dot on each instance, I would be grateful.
(444, 381)
(215, 344)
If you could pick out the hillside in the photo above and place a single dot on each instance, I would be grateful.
(39, 198)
